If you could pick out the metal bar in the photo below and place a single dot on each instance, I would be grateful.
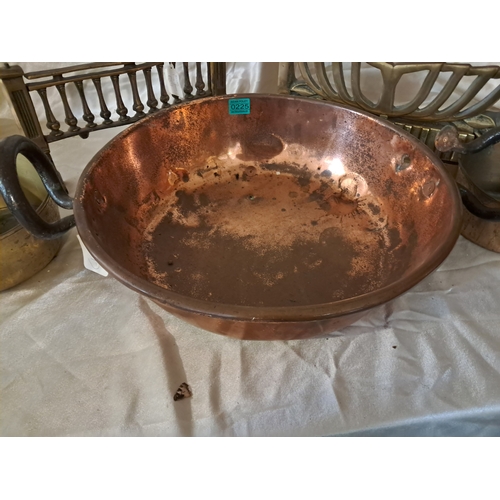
(164, 97)
(33, 75)
(152, 102)
(218, 75)
(70, 117)
(464, 99)
(101, 126)
(12, 77)
(177, 99)
(87, 113)
(331, 93)
(424, 134)
(286, 77)
(422, 94)
(339, 81)
(105, 112)
(306, 74)
(200, 84)
(209, 78)
(188, 88)
(491, 71)
(358, 94)
(442, 97)
(483, 104)
(52, 124)
(138, 107)
(89, 76)
(120, 106)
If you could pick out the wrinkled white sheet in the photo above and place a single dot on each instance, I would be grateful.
(82, 355)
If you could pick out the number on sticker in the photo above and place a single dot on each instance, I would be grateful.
(239, 106)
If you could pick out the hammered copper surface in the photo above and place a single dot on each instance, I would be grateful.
(288, 222)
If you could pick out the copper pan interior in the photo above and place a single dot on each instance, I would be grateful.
(295, 204)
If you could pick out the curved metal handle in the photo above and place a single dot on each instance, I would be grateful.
(14, 197)
(447, 140)
(475, 207)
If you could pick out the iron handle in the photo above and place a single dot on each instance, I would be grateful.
(475, 207)
(447, 139)
(14, 197)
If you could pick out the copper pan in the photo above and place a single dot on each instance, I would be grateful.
(291, 221)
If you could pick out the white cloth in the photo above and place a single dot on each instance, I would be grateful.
(82, 355)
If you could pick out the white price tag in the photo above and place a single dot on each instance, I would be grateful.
(174, 86)
(89, 262)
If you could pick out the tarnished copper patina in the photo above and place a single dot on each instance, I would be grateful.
(288, 222)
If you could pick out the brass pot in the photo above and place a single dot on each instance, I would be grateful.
(21, 254)
(479, 173)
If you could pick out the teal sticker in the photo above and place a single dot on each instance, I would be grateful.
(239, 106)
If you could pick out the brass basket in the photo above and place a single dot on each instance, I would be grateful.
(430, 108)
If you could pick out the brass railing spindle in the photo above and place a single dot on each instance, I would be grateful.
(87, 113)
(138, 107)
(52, 124)
(188, 88)
(120, 106)
(164, 97)
(70, 117)
(152, 102)
(105, 112)
(200, 84)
